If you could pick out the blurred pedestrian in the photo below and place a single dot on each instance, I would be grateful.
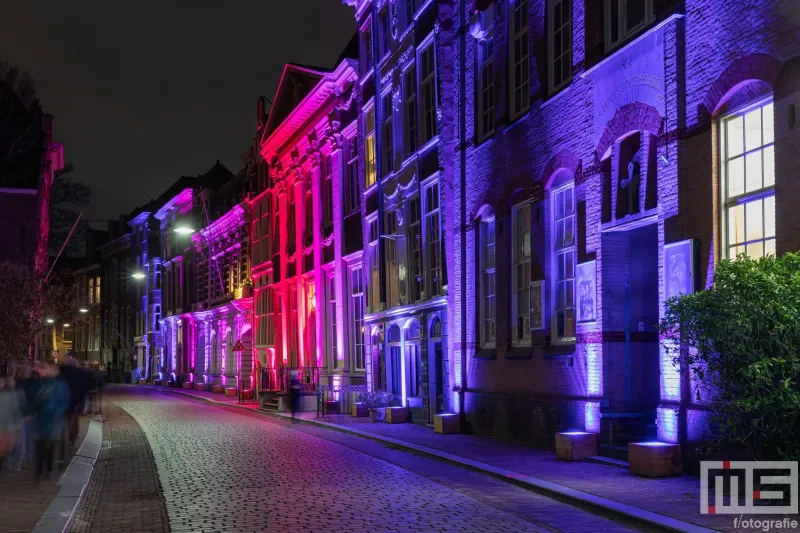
(77, 382)
(20, 443)
(52, 402)
(294, 394)
(28, 380)
(10, 420)
(96, 378)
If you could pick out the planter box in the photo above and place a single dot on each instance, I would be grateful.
(332, 407)
(248, 394)
(359, 410)
(217, 389)
(576, 445)
(142, 382)
(378, 414)
(447, 423)
(655, 459)
(230, 392)
(199, 386)
(187, 385)
(396, 415)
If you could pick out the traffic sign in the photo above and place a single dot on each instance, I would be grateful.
(238, 347)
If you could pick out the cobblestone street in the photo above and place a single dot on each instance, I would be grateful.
(226, 470)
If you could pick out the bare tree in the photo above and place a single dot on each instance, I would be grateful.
(67, 197)
(25, 304)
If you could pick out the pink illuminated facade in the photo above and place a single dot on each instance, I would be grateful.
(305, 246)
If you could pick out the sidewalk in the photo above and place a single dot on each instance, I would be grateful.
(22, 501)
(667, 503)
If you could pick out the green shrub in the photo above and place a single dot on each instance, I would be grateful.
(741, 342)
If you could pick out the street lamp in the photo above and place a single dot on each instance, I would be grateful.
(49, 320)
(66, 325)
(83, 310)
(138, 275)
(184, 230)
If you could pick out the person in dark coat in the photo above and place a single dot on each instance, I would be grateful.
(77, 381)
(52, 402)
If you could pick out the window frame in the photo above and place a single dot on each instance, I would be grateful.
(486, 270)
(331, 342)
(353, 203)
(516, 287)
(355, 272)
(365, 47)
(624, 35)
(387, 134)
(523, 36)
(432, 249)
(485, 113)
(551, 50)
(765, 195)
(556, 252)
(370, 155)
(427, 83)
(374, 264)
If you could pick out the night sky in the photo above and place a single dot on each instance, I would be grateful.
(144, 92)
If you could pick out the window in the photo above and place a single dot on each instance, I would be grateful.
(91, 290)
(96, 337)
(384, 39)
(427, 87)
(415, 232)
(433, 237)
(390, 251)
(266, 317)
(625, 18)
(521, 275)
(487, 304)
(411, 10)
(369, 146)
(276, 234)
(327, 194)
(395, 361)
(353, 190)
(519, 47)
(387, 134)
(97, 290)
(564, 256)
(374, 267)
(291, 221)
(485, 88)
(330, 320)
(308, 211)
(559, 34)
(357, 312)
(410, 110)
(749, 182)
(366, 48)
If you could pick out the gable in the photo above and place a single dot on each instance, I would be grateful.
(296, 82)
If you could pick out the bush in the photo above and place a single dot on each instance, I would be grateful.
(740, 341)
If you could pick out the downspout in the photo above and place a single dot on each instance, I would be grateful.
(462, 147)
(628, 343)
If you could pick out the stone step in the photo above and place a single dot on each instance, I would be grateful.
(608, 461)
(619, 453)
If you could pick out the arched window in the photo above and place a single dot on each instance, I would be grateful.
(487, 309)
(563, 259)
(748, 181)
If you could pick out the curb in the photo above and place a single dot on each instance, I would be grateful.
(58, 516)
(580, 499)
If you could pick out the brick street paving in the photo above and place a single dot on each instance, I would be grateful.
(223, 469)
(123, 493)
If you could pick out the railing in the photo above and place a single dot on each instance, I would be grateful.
(279, 379)
(340, 396)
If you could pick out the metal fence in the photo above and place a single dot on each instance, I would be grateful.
(279, 379)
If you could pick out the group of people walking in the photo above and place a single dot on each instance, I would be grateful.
(40, 409)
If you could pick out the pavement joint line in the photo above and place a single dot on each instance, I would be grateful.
(57, 518)
(580, 499)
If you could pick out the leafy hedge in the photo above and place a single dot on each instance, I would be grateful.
(741, 343)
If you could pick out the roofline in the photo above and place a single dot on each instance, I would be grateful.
(286, 67)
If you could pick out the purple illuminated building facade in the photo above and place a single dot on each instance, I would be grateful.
(540, 176)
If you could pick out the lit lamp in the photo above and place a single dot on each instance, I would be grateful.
(49, 320)
(138, 275)
(66, 325)
(83, 310)
(184, 229)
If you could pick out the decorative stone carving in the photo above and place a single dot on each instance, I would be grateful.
(327, 240)
(630, 185)
(393, 20)
(399, 212)
(396, 98)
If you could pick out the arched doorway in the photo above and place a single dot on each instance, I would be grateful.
(437, 368)
(413, 369)
(394, 368)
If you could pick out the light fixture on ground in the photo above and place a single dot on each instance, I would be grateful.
(184, 230)
(138, 275)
